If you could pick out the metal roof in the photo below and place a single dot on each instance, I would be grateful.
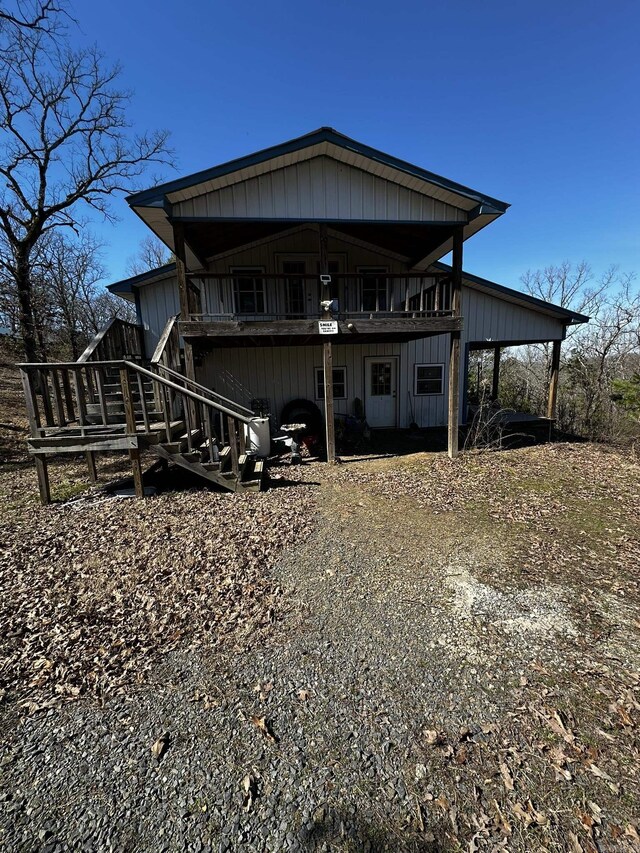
(155, 196)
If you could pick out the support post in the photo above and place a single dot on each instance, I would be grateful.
(90, 456)
(181, 268)
(186, 300)
(327, 354)
(553, 381)
(454, 346)
(495, 379)
(130, 416)
(43, 479)
(34, 423)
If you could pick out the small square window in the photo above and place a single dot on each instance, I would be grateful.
(339, 383)
(429, 379)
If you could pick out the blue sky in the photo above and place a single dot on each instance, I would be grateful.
(535, 103)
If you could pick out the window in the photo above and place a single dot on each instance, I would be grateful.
(429, 379)
(339, 383)
(294, 287)
(248, 288)
(380, 378)
(374, 289)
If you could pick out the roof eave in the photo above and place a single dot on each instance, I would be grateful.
(155, 196)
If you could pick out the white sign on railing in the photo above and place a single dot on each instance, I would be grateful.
(328, 327)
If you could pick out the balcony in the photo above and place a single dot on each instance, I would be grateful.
(253, 307)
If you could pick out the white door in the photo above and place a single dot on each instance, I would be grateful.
(380, 398)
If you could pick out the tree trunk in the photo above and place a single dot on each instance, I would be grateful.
(27, 320)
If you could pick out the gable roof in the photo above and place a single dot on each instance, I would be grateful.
(155, 195)
(160, 206)
(126, 286)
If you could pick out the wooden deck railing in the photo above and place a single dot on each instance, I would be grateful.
(103, 405)
(282, 296)
(118, 339)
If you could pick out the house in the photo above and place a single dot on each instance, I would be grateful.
(323, 257)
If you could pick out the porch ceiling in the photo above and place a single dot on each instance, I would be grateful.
(208, 238)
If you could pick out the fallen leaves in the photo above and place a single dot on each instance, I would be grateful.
(160, 746)
(263, 726)
(507, 778)
(92, 594)
(529, 815)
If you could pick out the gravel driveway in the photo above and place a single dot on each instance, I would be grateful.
(382, 714)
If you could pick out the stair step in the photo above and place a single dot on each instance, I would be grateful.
(181, 444)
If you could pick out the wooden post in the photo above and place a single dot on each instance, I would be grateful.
(33, 417)
(233, 444)
(181, 269)
(553, 381)
(454, 347)
(43, 479)
(495, 379)
(327, 353)
(90, 456)
(186, 300)
(130, 415)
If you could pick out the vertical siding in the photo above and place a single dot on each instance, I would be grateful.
(489, 318)
(319, 188)
(158, 302)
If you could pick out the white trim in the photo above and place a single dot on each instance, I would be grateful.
(398, 361)
(415, 378)
(316, 371)
(236, 272)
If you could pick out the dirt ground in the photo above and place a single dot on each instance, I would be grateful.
(476, 622)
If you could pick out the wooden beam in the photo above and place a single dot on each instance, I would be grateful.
(52, 444)
(269, 328)
(43, 479)
(134, 455)
(456, 272)
(554, 374)
(327, 352)
(181, 268)
(90, 456)
(454, 345)
(495, 379)
(454, 394)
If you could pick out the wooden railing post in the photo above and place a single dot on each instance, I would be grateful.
(130, 416)
(233, 444)
(33, 417)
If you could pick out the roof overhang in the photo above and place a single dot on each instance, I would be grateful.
(126, 287)
(154, 206)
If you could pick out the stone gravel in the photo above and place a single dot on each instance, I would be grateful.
(387, 636)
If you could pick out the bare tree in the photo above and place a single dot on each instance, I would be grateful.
(40, 15)
(151, 254)
(64, 140)
(72, 275)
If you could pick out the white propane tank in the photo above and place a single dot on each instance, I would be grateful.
(258, 436)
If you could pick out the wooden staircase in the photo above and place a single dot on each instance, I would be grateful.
(124, 402)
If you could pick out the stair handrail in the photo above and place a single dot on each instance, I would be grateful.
(192, 395)
(102, 338)
(168, 346)
(202, 389)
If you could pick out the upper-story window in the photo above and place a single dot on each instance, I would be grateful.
(375, 289)
(248, 290)
(295, 287)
